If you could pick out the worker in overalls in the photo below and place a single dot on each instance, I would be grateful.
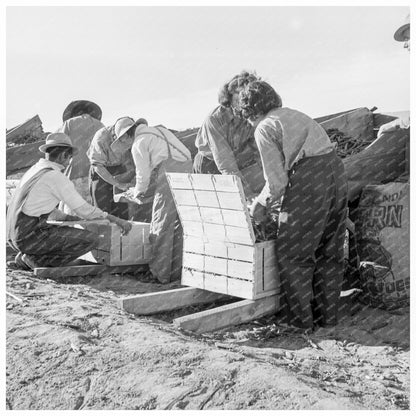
(81, 120)
(225, 140)
(112, 166)
(42, 187)
(156, 151)
(302, 169)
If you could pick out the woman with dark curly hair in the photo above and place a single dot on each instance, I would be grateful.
(302, 170)
(225, 141)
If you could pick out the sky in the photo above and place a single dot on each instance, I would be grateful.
(166, 64)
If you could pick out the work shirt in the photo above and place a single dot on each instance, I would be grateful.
(150, 149)
(100, 152)
(228, 140)
(50, 189)
(284, 137)
(80, 130)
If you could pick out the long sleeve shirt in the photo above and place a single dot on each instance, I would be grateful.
(228, 140)
(150, 149)
(284, 137)
(100, 152)
(52, 188)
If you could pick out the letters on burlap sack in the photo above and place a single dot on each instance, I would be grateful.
(383, 244)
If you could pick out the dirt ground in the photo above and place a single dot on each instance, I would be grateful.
(70, 347)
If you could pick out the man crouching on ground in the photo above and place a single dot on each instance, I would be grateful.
(41, 189)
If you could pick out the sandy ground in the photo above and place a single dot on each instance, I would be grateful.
(70, 347)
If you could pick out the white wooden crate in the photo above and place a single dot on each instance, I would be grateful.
(220, 253)
(116, 249)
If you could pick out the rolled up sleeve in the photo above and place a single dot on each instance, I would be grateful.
(141, 159)
(269, 141)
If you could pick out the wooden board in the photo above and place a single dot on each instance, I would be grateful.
(33, 126)
(227, 315)
(151, 303)
(21, 157)
(69, 271)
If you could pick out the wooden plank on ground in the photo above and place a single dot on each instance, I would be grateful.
(151, 303)
(227, 315)
(69, 271)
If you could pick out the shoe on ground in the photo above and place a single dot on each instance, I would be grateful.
(18, 263)
(29, 262)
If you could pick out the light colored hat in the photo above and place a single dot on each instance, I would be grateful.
(57, 139)
(400, 33)
(122, 125)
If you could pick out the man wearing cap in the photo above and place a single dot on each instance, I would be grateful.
(81, 120)
(43, 186)
(112, 166)
(156, 150)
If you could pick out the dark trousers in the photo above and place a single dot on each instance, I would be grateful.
(51, 245)
(204, 165)
(102, 193)
(310, 240)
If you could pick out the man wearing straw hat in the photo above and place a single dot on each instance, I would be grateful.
(43, 186)
(81, 120)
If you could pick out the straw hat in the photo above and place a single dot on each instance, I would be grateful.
(57, 139)
(123, 125)
(87, 107)
(402, 34)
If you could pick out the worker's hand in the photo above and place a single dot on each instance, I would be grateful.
(123, 186)
(123, 224)
(258, 212)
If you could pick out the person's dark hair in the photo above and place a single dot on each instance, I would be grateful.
(55, 151)
(130, 132)
(258, 98)
(234, 85)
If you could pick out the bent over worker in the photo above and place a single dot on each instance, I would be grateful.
(41, 189)
(111, 166)
(156, 151)
(300, 165)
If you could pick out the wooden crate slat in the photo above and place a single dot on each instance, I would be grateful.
(215, 249)
(211, 215)
(225, 183)
(215, 265)
(240, 252)
(202, 182)
(193, 244)
(189, 213)
(216, 283)
(228, 200)
(214, 232)
(184, 197)
(206, 198)
(193, 261)
(192, 228)
(241, 288)
(240, 270)
(234, 218)
(193, 278)
(179, 180)
(239, 235)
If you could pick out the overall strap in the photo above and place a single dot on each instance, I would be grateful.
(170, 144)
(17, 201)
